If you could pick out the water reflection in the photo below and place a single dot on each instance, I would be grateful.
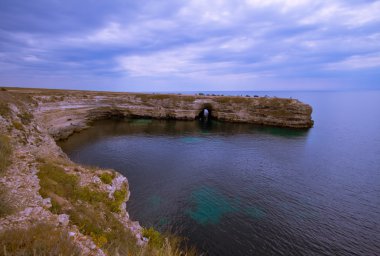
(191, 129)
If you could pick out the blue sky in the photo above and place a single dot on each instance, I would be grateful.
(190, 45)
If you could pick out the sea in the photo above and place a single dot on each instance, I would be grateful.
(243, 189)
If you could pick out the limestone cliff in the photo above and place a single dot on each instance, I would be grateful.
(39, 183)
(65, 112)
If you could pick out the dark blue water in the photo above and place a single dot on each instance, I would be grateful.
(239, 189)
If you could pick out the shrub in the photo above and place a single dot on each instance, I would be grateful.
(5, 205)
(155, 238)
(40, 239)
(54, 180)
(26, 117)
(92, 212)
(106, 177)
(5, 152)
(119, 197)
(18, 125)
(4, 109)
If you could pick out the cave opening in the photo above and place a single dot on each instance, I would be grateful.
(205, 114)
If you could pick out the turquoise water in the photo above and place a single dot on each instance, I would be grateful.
(239, 189)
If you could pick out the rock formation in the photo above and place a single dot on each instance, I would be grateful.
(67, 112)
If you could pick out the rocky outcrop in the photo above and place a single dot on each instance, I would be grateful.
(65, 113)
(20, 186)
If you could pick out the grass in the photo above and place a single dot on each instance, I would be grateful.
(63, 187)
(40, 239)
(25, 117)
(4, 109)
(147, 97)
(107, 177)
(5, 152)
(93, 212)
(155, 238)
(166, 245)
(18, 125)
(5, 203)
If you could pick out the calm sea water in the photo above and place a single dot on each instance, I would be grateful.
(240, 189)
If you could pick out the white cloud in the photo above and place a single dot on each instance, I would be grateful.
(183, 61)
(31, 58)
(356, 62)
(218, 39)
(117, 33)
(238, 44)
(339, 13)
(282, 5)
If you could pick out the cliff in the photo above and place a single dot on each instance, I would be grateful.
(64, 112)
(48, 203)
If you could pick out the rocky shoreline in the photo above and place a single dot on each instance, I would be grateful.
(31, 120)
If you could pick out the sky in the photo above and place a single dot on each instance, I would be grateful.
(190, 45)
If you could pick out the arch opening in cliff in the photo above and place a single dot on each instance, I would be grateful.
(205, 113)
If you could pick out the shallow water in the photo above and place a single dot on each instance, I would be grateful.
(239, 189)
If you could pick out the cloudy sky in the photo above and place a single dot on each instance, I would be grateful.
(176, 45)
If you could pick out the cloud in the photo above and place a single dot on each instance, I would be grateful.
(356, 62)
(198, 43)
(351, 16)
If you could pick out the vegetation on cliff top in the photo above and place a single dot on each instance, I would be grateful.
(5, 152)
(5, 203)
(39, 239)
(106, 177)
(94, 213)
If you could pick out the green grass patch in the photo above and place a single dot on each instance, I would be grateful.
(56, 183)
(5, 152)
(119, 197)
(155, 238)
(93, 212)
(105, 230)
(40, 239)
(107, 177)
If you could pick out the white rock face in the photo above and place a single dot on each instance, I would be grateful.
(117, 183)
(46, 202)
(63, 219)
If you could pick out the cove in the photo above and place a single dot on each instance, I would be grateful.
(240, 189)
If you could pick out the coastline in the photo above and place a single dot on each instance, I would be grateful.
(33, 119)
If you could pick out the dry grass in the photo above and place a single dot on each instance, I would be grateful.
(40, 239)
(4, 109)
(147, 97)
(5, 152)
(55, 182)
(5, 203)
(26, 117)
(18, 125)
(94, 213)
(232, 99)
